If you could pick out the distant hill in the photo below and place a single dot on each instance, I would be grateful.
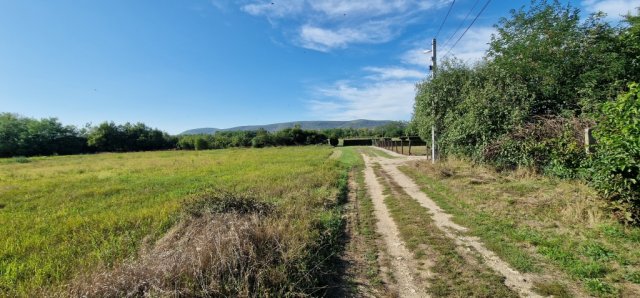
(309, 125)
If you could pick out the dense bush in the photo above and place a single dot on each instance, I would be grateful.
(616, 166)
(109, 137)
(544, 79)
(551, 145)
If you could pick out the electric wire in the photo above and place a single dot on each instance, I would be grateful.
(444, 45)
(465, 31)
(445, 18)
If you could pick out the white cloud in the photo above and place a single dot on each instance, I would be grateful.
(385, 93)
(368, 7)
(395, 73)
(321, 39)
(379, 100)
(325, 25)
(614, 9)
(473, 45)
(417, 56)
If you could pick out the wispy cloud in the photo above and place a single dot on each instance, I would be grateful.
(389, 92)
(379, 100)
(382, 93)
(324, 40)
(614, 9)
(394, 73)
(325, 25)
(473, 45)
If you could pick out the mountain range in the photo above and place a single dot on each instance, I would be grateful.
(308, 125)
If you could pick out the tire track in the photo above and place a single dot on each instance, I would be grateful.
(520, 282)
(402, 262)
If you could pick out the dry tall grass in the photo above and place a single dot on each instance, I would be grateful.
(230, 247)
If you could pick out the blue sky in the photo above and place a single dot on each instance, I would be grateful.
(181, 64)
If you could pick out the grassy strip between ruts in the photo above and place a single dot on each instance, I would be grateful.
(456, 273)
(71, 215)
(538, 224)
(366, 227)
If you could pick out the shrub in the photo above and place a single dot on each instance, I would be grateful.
(334, 142)
(21, 159)
(201, 144)
(550, 145)
(616, 165)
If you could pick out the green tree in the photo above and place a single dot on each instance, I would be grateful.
(12, 128)
(201, 143)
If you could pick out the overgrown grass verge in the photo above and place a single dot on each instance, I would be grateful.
(455, 273)
(73, 215)
(537, 224)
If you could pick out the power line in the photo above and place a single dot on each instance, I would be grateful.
(445, 17)
(465, 31)
(444, 45)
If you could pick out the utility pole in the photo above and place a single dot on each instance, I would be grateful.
(433, 111)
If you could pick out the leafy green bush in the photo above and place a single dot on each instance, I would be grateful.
(21, 159)
(201, 144)
(616, 165)
(334, 142)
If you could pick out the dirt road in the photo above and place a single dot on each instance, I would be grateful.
(405, 269)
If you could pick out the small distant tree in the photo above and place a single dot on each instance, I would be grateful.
(261, 139)
(201, 143)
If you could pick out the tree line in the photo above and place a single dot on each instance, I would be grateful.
(546, 77)
(288, 136)
(23, 136)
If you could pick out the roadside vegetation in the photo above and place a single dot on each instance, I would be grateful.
(552, 227)
(114, 224)
(547, 76)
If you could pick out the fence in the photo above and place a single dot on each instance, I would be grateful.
(357, 142)
(399, 144)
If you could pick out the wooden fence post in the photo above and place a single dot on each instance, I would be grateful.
(588, 140)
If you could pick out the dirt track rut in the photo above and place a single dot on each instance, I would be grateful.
(402, 263)
(404, 266)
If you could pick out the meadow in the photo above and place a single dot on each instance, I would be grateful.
(66, 217)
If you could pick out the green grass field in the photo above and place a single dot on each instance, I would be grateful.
(61, 216)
